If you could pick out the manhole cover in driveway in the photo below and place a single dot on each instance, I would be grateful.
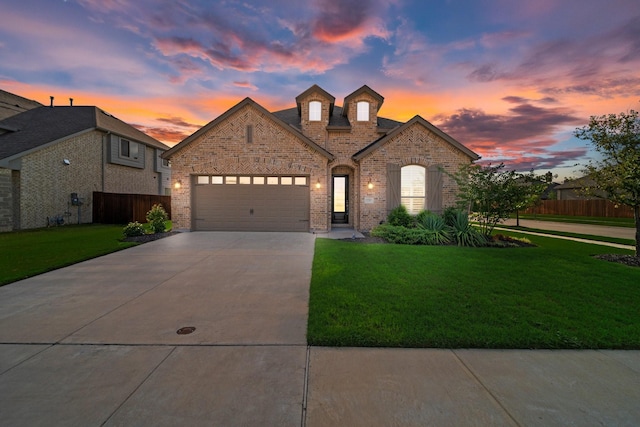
(186, 330)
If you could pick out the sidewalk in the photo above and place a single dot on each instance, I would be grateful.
(593, 230)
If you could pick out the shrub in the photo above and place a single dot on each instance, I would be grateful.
(464, 234)
(156, 217)
(400, 217)
(434, 225)
(133, 229)
(449, 215)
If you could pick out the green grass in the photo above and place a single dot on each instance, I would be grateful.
(592, 220)
(555, 295)
(28, 253)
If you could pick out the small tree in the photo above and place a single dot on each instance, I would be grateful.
(493, 193)
(157, 217)
(617, 138)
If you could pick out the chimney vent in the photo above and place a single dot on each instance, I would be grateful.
(70, 102)
(51, 101)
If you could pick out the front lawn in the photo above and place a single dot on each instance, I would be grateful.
(555, 295)
(27, 253)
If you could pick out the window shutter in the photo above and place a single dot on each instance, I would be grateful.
(393, 186)
(434, 190)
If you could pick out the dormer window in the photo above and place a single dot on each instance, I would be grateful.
(315, 111)
(363, 111)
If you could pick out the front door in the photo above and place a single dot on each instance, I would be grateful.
(340, 208)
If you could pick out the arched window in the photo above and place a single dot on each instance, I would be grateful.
(315, 111)
(363, 111)
(412, 188)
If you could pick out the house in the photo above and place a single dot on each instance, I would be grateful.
(12, 104)
(52, 159)
(313, 167)
(574, 189)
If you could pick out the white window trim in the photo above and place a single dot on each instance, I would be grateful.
(315, 111)
(362, 108)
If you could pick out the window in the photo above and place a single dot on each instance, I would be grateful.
(165, 163)
(128, 149)
(202, 179)
(363, 111)
(249, 134)
(272, 180)
(300, 180)
(216, 179)
(245, 180)
(258, 180)
(315, 111)
(286, 180)
(231, 180)
(412, 188)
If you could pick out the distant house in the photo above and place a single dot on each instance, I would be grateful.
(572, 189)
(312, 167)
(52, 159)
(11, 104)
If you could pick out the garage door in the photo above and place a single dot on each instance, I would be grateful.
(251, 203)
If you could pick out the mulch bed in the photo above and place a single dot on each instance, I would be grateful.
(149, 237)
(630, 260)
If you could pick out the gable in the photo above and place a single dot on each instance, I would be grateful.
(419, 132)
(247, 125)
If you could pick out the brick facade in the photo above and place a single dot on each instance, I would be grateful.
(361, 150)
(41, 188)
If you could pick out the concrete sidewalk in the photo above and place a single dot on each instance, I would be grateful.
(594, 230)
(96, 344)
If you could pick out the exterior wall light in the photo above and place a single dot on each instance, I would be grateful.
(370, 185)
(177, 185)
(318, 184)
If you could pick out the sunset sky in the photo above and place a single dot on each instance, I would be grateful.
(510, 79)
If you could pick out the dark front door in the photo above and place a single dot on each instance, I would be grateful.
(340, 208)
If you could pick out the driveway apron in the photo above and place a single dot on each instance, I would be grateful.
(97, 343)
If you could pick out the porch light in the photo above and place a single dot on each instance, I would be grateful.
(177, 185)
(370, 185)
(318, 184)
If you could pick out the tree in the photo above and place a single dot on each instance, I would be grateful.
(493, 193)
(616, 137)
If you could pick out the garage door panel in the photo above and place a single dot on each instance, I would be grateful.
(250, 207)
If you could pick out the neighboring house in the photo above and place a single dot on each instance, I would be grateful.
(573, 189)
(313, 167)
(52, 159)
(11, 104)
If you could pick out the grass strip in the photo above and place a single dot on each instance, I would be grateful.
(28, 253)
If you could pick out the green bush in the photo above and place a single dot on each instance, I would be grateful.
(464, 234)
(133, 229)
(400, 217)
(434, 225)
(156, 217)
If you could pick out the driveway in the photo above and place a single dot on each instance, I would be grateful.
(96, 343)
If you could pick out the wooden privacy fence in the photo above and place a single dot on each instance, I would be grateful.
(597, 207)
(115, 208)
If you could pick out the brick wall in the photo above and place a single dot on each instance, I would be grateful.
(416, 145)
(46, 182)
(125, 179)
(225, 150)
(6, 200)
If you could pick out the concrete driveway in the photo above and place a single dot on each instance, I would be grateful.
(96, 344)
